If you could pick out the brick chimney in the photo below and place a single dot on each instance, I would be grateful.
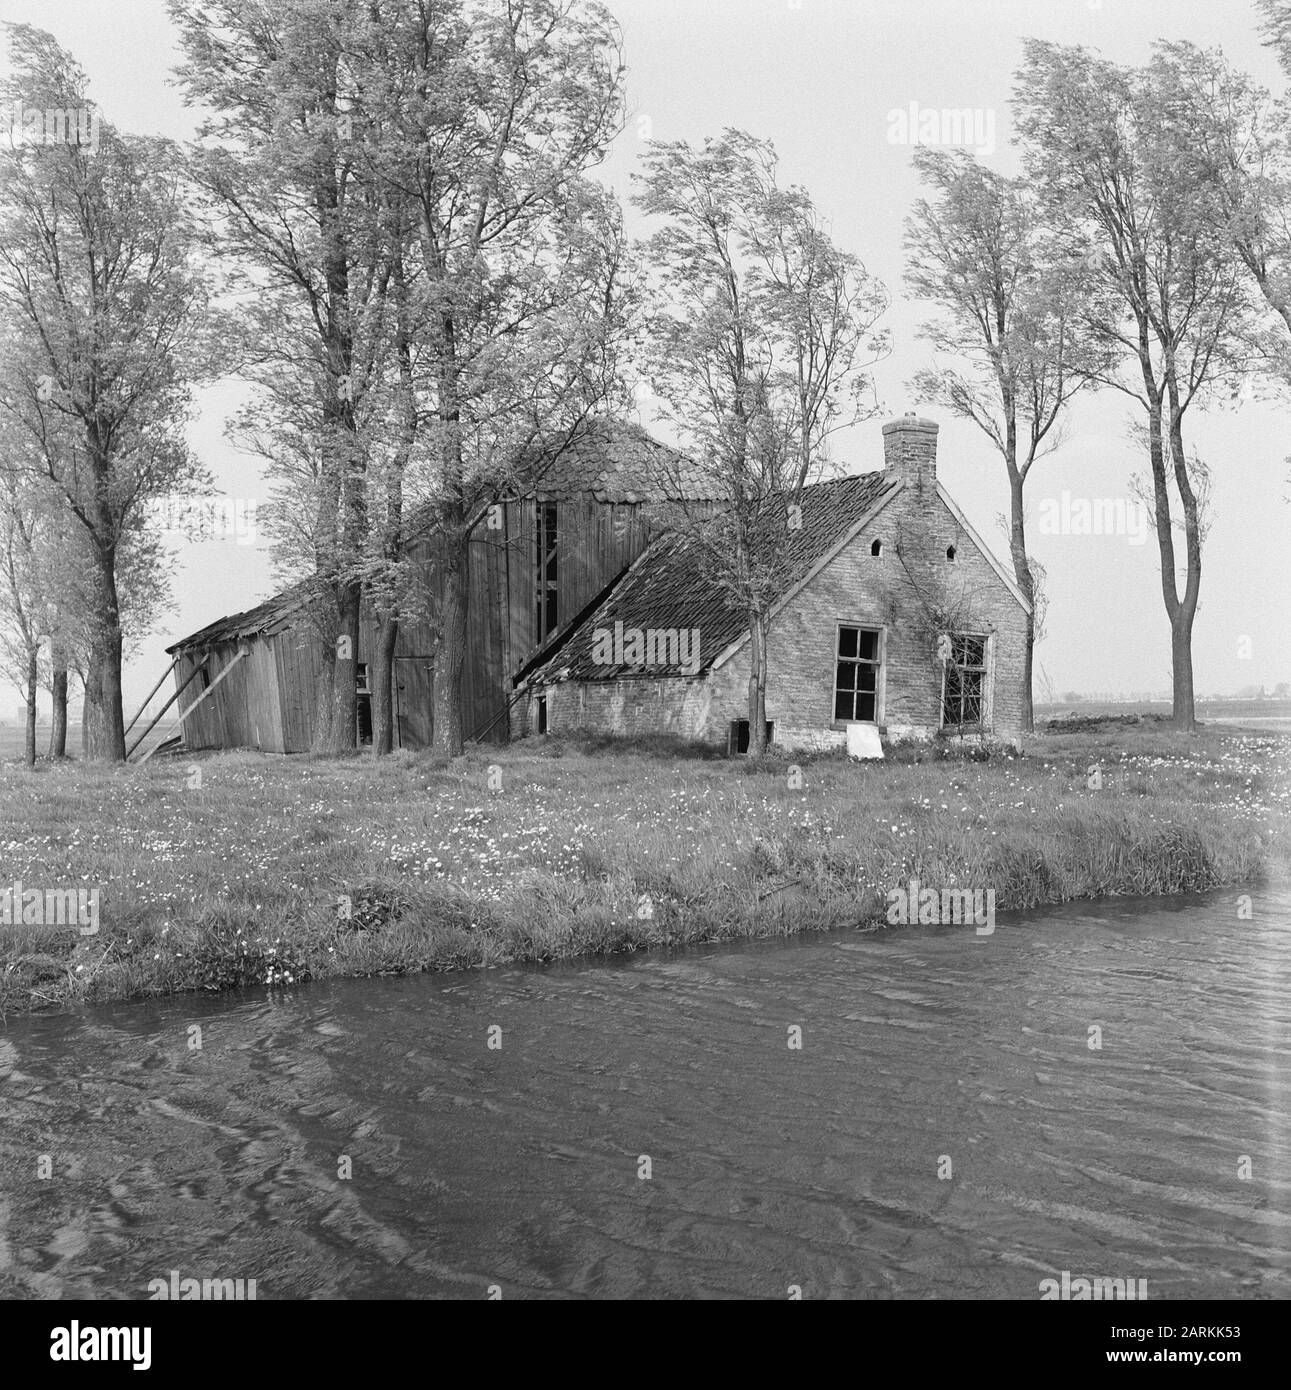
(910, 451)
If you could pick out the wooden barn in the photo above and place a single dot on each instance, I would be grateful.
(534, 572)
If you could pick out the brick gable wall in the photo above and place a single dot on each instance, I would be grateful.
(877, 591)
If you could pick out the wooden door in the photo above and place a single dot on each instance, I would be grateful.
(413, 686)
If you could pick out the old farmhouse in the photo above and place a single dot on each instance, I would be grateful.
(894, 615)
(533, 573)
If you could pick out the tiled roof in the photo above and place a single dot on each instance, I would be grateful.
(670, 586)
(617, 461)
(262, 618)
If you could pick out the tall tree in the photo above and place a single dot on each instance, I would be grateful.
(759, 351)
(301, 253)
(25, 541)
(99, 303)
(486, 118)
(1241, 143)
(406, 183)
(1109, 148)
(1010, 304)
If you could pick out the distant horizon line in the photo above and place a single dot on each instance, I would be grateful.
(1095, 698)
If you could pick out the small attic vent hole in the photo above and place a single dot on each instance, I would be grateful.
(950, 552)
(876, 548)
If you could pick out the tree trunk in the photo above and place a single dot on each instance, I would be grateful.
(324, 709)
(1181, 672)
(1022, 573)
(104, 720)
(1185, 712)
(29, 750)
(105, 736)
(343, 733)
(1180, 611)
(758, 684)
(450, 657)
(1028, 669)
(381, 683)
(381, 671)
(58, 724)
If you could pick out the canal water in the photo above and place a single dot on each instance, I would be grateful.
(1085, 1090)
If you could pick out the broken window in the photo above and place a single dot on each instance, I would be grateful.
(856, 676)
(964, 681)
(546, 570)
(362, 703)
(876, 548)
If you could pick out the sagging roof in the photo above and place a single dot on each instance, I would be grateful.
(619, 462)
(615, 461)
(263, 618)
(671, 587)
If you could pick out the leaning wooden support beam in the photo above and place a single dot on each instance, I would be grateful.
(152, 692)
(214, 685)
(195, 672)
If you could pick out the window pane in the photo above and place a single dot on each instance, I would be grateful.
(856, 674)
(969, 651)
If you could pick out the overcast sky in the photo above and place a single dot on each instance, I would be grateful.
(820, 78)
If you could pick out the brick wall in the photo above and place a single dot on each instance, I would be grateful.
(881, 592)
(910, 453)
(888, 591)
(672, 705)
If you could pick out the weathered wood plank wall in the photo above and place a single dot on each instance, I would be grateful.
(271, 703)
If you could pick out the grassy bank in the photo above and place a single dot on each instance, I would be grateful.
(268, 870)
